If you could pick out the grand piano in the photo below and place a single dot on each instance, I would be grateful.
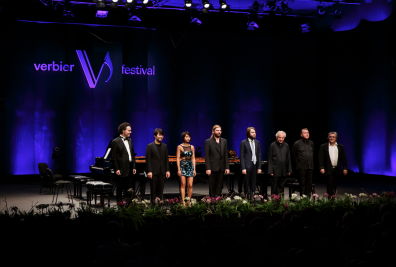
(102, 168)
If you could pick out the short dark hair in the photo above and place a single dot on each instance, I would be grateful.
(123, 127)
(183, 135)
(248, 131)
(303, 129)
(158, 131)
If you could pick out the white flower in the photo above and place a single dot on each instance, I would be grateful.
(135, 200)
(193, 200)
(362, 195)
(228, 199)
(237, 197)
(293, 196)
(146, 201)
(187, 198)
(353, 196)
(244, 202)
(304, 196)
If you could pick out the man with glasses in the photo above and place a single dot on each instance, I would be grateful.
(331, 157)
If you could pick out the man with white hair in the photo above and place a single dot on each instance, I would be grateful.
(331, 157)
(279, 163)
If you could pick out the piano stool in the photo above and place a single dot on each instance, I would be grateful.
(79, 181)
(293, 183)
(98, 188)
(60, 184)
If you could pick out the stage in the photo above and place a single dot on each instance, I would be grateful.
(24, 195)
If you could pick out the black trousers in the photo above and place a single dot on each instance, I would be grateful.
(142, 180)
(331, 181)
(216, 183)
(306, 182)
(157, 187)
(278, 184)
(250, 181)
(123, 184)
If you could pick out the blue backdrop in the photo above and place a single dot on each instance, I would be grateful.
(340, 82)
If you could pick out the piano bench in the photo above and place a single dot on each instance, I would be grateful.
(99, 188)
(79, 181)
(294, 184)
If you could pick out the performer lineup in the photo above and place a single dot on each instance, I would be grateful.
(332, 162)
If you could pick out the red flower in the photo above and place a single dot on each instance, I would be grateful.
(287, 205)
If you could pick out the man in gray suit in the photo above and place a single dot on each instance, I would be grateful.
(279, 163)
(216, 161)
(250, 153)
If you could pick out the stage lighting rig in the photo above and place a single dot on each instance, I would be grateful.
(223, 5)
(147, 3)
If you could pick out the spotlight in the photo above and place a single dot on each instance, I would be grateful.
(147, 3)
(321, 10)
(305, 28)
(223, 4)
(284, 6)
(129, 1)
(188, 3)
(130, 4)
(196, 21)
(135, 18)
(114, 1)
(271, 4)
(205, 4)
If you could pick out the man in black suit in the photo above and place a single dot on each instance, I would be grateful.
(157, 164)
(216, 161)
(331, 156)
(123, 159)
(302, 155)
(279, 163)
(250, 153)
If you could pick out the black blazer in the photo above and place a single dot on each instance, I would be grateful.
(155, 162)
(120, 157)
(325, 162)
(215, 161)
(279, 160)
(245, 152)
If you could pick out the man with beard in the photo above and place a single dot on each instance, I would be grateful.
(302, 155)
(279, 163)
(157, 164)
(216, 161)
(123, 159)
(250, 154)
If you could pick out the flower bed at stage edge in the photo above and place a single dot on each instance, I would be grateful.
(138, 212)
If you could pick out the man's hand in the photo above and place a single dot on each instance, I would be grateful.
(227, 171)
(258, 170)
(208, 172)
(272, 174)
(150, 175)
(167, 175)
(134, 171)
(118, 172)
(345, 172)
(179, 173)
(322, 171)
(243, 171)
(288, 174)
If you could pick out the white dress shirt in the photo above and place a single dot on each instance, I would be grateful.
(126, 143)
(333, 153)
(251, 142)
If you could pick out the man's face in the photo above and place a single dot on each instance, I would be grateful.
(332, 138)
(217, 132)
(159, 137)
(252, 134)
(305, 134)
(127, 132)
(280, 138)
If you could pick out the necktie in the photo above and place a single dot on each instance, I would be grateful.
(253, 152)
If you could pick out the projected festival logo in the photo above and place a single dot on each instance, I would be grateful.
(89, 73)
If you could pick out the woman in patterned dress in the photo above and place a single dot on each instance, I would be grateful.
(186, 165)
